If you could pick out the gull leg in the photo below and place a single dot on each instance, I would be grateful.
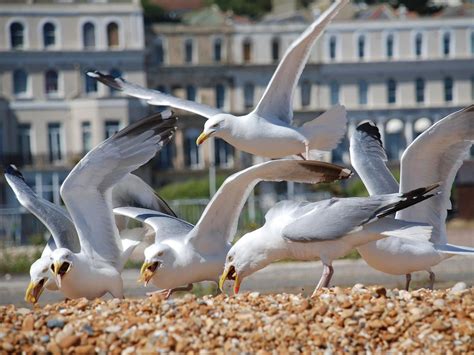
(325, 278)
(306, 146)
(301, 156)
(432, 280)
(170, 291)
(408, 280)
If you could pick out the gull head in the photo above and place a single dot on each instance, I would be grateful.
(243, 259)
(217, 126)
(157, 257)
(62, 264)
(40, 276)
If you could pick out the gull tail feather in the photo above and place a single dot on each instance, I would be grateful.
(327, 130)
(390, 227)
(129, 246)
(454, 249)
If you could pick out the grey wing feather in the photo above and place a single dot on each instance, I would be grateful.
(153, 97)
(164, 225)
(55, 218)
(368, 158)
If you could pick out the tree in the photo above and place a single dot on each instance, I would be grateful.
(251, 8)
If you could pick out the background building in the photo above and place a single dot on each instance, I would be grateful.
(51, 113)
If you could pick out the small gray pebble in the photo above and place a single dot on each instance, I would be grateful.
(55, 323)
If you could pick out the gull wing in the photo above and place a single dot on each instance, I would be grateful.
(54, 217)
(369, 160)
(277, 100)
(154, 97)
(436, 155)
(132, 191)
(87, 189)
(164, 225)
(218, 223)
(332, 219)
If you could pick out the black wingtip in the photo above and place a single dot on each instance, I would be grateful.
(13, 170)
(371, 129)
(106, 79)
(164, 125)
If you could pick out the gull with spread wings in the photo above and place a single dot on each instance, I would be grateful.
(268, 130)
(131, 191)
(184, 254)
(87, 194)
(435, 155)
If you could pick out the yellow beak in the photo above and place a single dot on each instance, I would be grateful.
(145, 274)
(202, 137)
(56, 267)
(33, 292)
(237, 281)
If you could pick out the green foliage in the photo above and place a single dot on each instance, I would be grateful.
(253, 9)
(153, 12)
(17, 263)
(193, 188)
(423, 7)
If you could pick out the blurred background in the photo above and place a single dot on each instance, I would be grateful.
(402, 64)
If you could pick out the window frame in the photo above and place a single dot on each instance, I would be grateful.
(27, 93)
(8, 33)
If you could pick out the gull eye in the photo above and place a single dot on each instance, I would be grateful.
(160, 253)
(45, 270)
(215, 125)
(230, 258)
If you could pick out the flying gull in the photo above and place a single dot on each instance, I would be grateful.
(268, 130)
(327, 230)
(184, 254)
(435, 155)
(86, 192)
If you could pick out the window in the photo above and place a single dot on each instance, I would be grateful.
(472, 42)
(159, 51)
(391, 91)
(305, 93)
(188, 50)
(247, 50)
(223, 154)
(446, 44)
(88, 35)
(389, 46)
(275, 49)
(51, 82)
(49, 35)
(220, 96)
(217, 50)
(165, 157)
(90, 84)
(86, 136)
(418, 45)
(20, 82)
(24, 143)
(193, 153)
(17, 35)
(361, 47)
(191, 92)
(249, 92)
(448, 89)
(332, 47)
(334, 88)
(54, 141)
(111, 127)
(421, 125)
(420, 90)
(394, 139)
(112, 35)
(116, 73)
(363, 91)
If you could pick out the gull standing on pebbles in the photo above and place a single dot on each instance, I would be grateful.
(86, 192)
(267, 131)
(326, 230)
(184, 254)
(129, 192)
(435, 155)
